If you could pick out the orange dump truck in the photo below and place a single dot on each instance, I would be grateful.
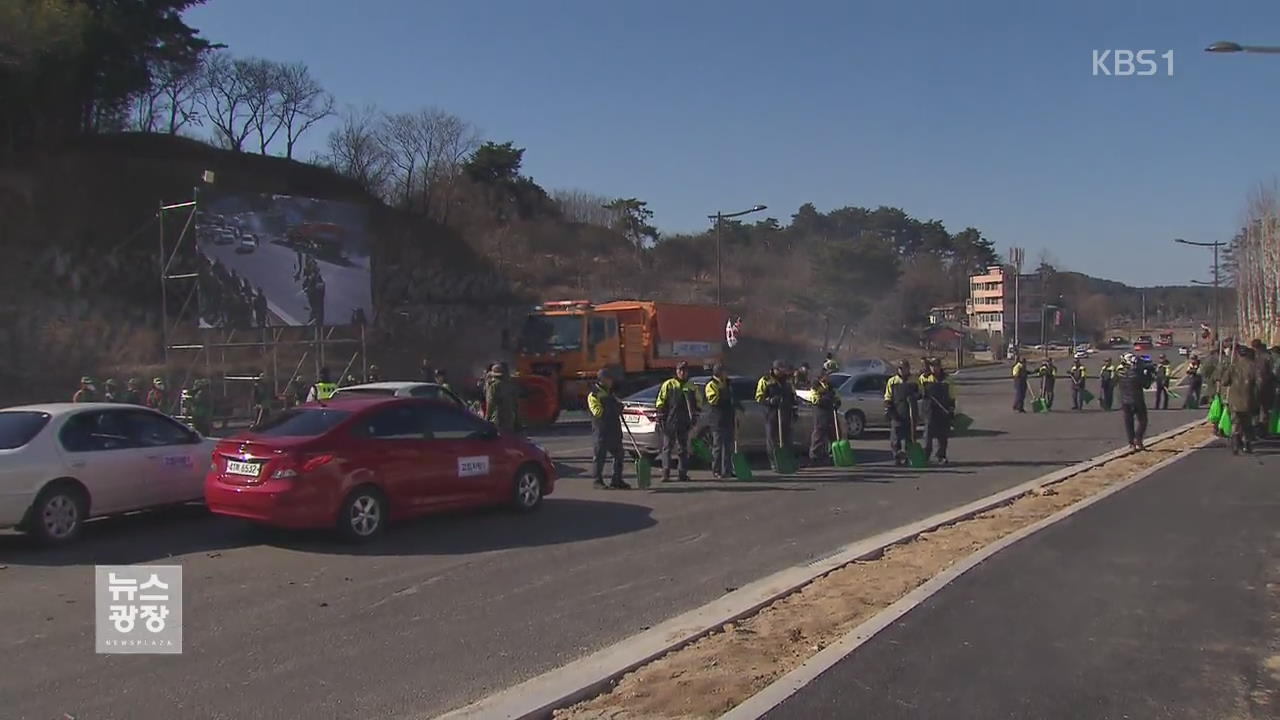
(563, 344)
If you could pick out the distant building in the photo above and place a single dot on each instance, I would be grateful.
(990, 307)
(956, 312)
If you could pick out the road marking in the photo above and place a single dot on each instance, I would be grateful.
(588, 676)
(789, 684)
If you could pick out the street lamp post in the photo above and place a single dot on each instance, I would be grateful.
(1217, 306)
(719, 217)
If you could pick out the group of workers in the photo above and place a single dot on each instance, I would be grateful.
(1248, 383)
(196, 403)
(929, 396)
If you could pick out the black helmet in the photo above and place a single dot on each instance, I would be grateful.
(603, 374)
(780, 365)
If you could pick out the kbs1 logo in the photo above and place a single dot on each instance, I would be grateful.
(1126, 63)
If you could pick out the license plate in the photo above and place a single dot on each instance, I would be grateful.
(248, 469)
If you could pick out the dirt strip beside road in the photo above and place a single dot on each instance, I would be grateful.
(711, 676)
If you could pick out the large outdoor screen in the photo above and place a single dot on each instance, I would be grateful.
(272, 260)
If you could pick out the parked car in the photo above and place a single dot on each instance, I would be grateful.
(358, 463)
(1184, 351)
(640, 415)
(433, 391)
(248, 243)
(867, 365)
(224, 236)
(63, 463)
(1116, 341)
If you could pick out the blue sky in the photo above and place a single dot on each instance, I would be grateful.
(982, 113)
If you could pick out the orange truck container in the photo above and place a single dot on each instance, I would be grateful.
(564, 344)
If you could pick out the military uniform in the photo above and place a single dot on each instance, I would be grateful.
(938, 409)
(1162, 385)
(678, 412)
(722, 407)
(1195, 382)
(900, 396)
(1019, 385)
(1078, 375)
(826, 404)
(131, 395)
(606, 434)
(87, 393)
(775, 393)
(1048, 375)
(1242, 401)
(1107, 381)
(202, 408)
(501, 399)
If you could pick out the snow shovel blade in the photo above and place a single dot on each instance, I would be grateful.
(1224, 424)
(1039, 405)
(961, 422)
(699, 449)
(1086, 396)
(915, 455)
(786, 461)
(741, 468)
(644, 472)
(1275, 421)
(842, 454)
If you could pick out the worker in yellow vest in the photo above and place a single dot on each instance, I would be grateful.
(323, 388)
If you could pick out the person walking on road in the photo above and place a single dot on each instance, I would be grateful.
(1019, 384)
(900, 395)
(1048, 374)
(1107, 381)
(1132, 380)
(1195, 383)
(157, 396)
(722, 407)
(606, 432)
(261, 409)
(677, 407)
(87, 392)
(826, 403)
(775, 393)
(938, 410)
(1077, 375)
(323, 388)
(501, 398)
(1263, 363)
(202, 407)
(1162, 383)
(131, 395)
(1242, 387)
(801, 380)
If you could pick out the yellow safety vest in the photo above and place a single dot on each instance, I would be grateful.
(324, 390)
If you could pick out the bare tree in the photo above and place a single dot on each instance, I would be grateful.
(584, 207)
(169, 103)
(303, 103)
(224, 97)
(262, 82)
(356, 151)
(425, 148)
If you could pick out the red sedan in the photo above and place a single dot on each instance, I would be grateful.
(357, 463)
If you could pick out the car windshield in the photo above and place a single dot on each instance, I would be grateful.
(302, 422)
(542, 333)
(17, 428)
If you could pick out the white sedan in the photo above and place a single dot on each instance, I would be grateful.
(402, 389)
(63, 463)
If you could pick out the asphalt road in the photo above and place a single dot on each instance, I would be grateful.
(1162, 601)
(443, 611)
(272, 266)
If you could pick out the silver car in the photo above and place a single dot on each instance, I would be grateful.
(861, 400)
(640, 415)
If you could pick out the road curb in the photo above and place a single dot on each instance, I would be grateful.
(590, 675)
(792, 682)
